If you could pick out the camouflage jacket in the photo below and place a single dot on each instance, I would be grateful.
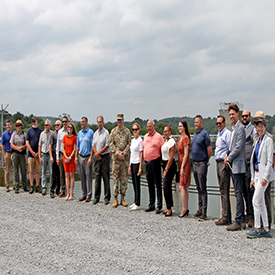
(120, 141)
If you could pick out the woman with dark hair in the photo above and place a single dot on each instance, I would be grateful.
(135, 167)
(69, 150)
(169, 167)
(184, 166)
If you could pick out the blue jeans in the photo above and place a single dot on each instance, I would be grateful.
(46, 162)
(238, 182)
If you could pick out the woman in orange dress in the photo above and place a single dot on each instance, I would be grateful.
(69, 150)
(184, 165)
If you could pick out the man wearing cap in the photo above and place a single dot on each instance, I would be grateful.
(6, 150)
(18, 145)
(59, 154)
(101, 150)
(44, 155)
(32, 140)
(152, 144)
(83, 153)
(250, 131)
(235, 159)
(55, 178)
(120, 141)
(223, 171)
(268, 201)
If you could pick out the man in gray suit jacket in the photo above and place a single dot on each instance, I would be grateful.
(236, 159)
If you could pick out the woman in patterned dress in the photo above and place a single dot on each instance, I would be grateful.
(184, 165)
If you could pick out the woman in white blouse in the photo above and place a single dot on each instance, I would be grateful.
(169, 167)
(135, 167)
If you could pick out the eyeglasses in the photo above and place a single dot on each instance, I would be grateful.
(33, 121)
(64, 121)
(18, 125)
(57, 125)
(70, 127)
(46, 124)
(245, 116)
(219, 123)
(135, 129)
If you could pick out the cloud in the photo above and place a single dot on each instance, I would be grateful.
(147, 59)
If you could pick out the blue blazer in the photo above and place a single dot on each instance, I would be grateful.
(237, 150)
(265, 159)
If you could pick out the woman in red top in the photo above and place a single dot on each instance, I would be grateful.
(69, 150)
(184, 165)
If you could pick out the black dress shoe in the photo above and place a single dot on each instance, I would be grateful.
(149, 209)
(26, 189)
(52, 195)
(185, 214)
(95, 201)
(158, 210)
(106, 201)
(16, 191)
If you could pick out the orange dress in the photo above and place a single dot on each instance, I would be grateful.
(185, 179)
(69, 143)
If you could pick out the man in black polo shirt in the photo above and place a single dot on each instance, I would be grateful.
(201, 153)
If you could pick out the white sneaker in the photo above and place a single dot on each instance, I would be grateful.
(135, 207)
(131, 206)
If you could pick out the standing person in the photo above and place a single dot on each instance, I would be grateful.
(135, 167)
(83, 153)
(55, 179)
(6, 150)
(169, 167)
(268, 201)
(235, 158)
(101, 150)
(201, 153)
(152, 144)
(32, 140)
(44, 155)
(261, 175)
(223, 171)
(18, 145)
(184, 166)
(69, 151)
(250, 131)
(120, 140)
(59, 154)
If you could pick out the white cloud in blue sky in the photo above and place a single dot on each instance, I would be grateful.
(147, 59)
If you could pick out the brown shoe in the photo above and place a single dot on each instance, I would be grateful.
(203, 216)
(251, 223)
(198, 214)
(221, 222)
(243, 225)
(246, 219)
(123, 202)
(62, 194)
(82, 199)
(234, 227)
(87, 200)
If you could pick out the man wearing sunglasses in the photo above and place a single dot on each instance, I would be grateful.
(44, 155)
(32, 140)
(250, 131)
(59, 154)
(223, 171)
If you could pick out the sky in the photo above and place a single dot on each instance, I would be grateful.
(147, 59)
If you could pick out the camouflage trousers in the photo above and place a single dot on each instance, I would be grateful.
(120, 174)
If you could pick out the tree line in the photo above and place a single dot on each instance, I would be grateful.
(209, 124)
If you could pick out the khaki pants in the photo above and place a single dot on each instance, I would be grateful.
(7, 168)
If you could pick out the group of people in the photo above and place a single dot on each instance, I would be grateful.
(245, 154)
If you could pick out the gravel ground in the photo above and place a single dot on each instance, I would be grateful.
(40, 235)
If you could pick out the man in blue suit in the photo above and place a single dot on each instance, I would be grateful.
(236, 160)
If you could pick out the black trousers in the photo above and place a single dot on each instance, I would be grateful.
(248, 193)
(55, 184)
(153, 175)
(167, 183)
(102, 170)
(136, 182)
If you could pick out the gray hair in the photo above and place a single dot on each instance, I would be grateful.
(100, 116)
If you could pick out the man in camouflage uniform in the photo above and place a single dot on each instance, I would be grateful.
(120, 141)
